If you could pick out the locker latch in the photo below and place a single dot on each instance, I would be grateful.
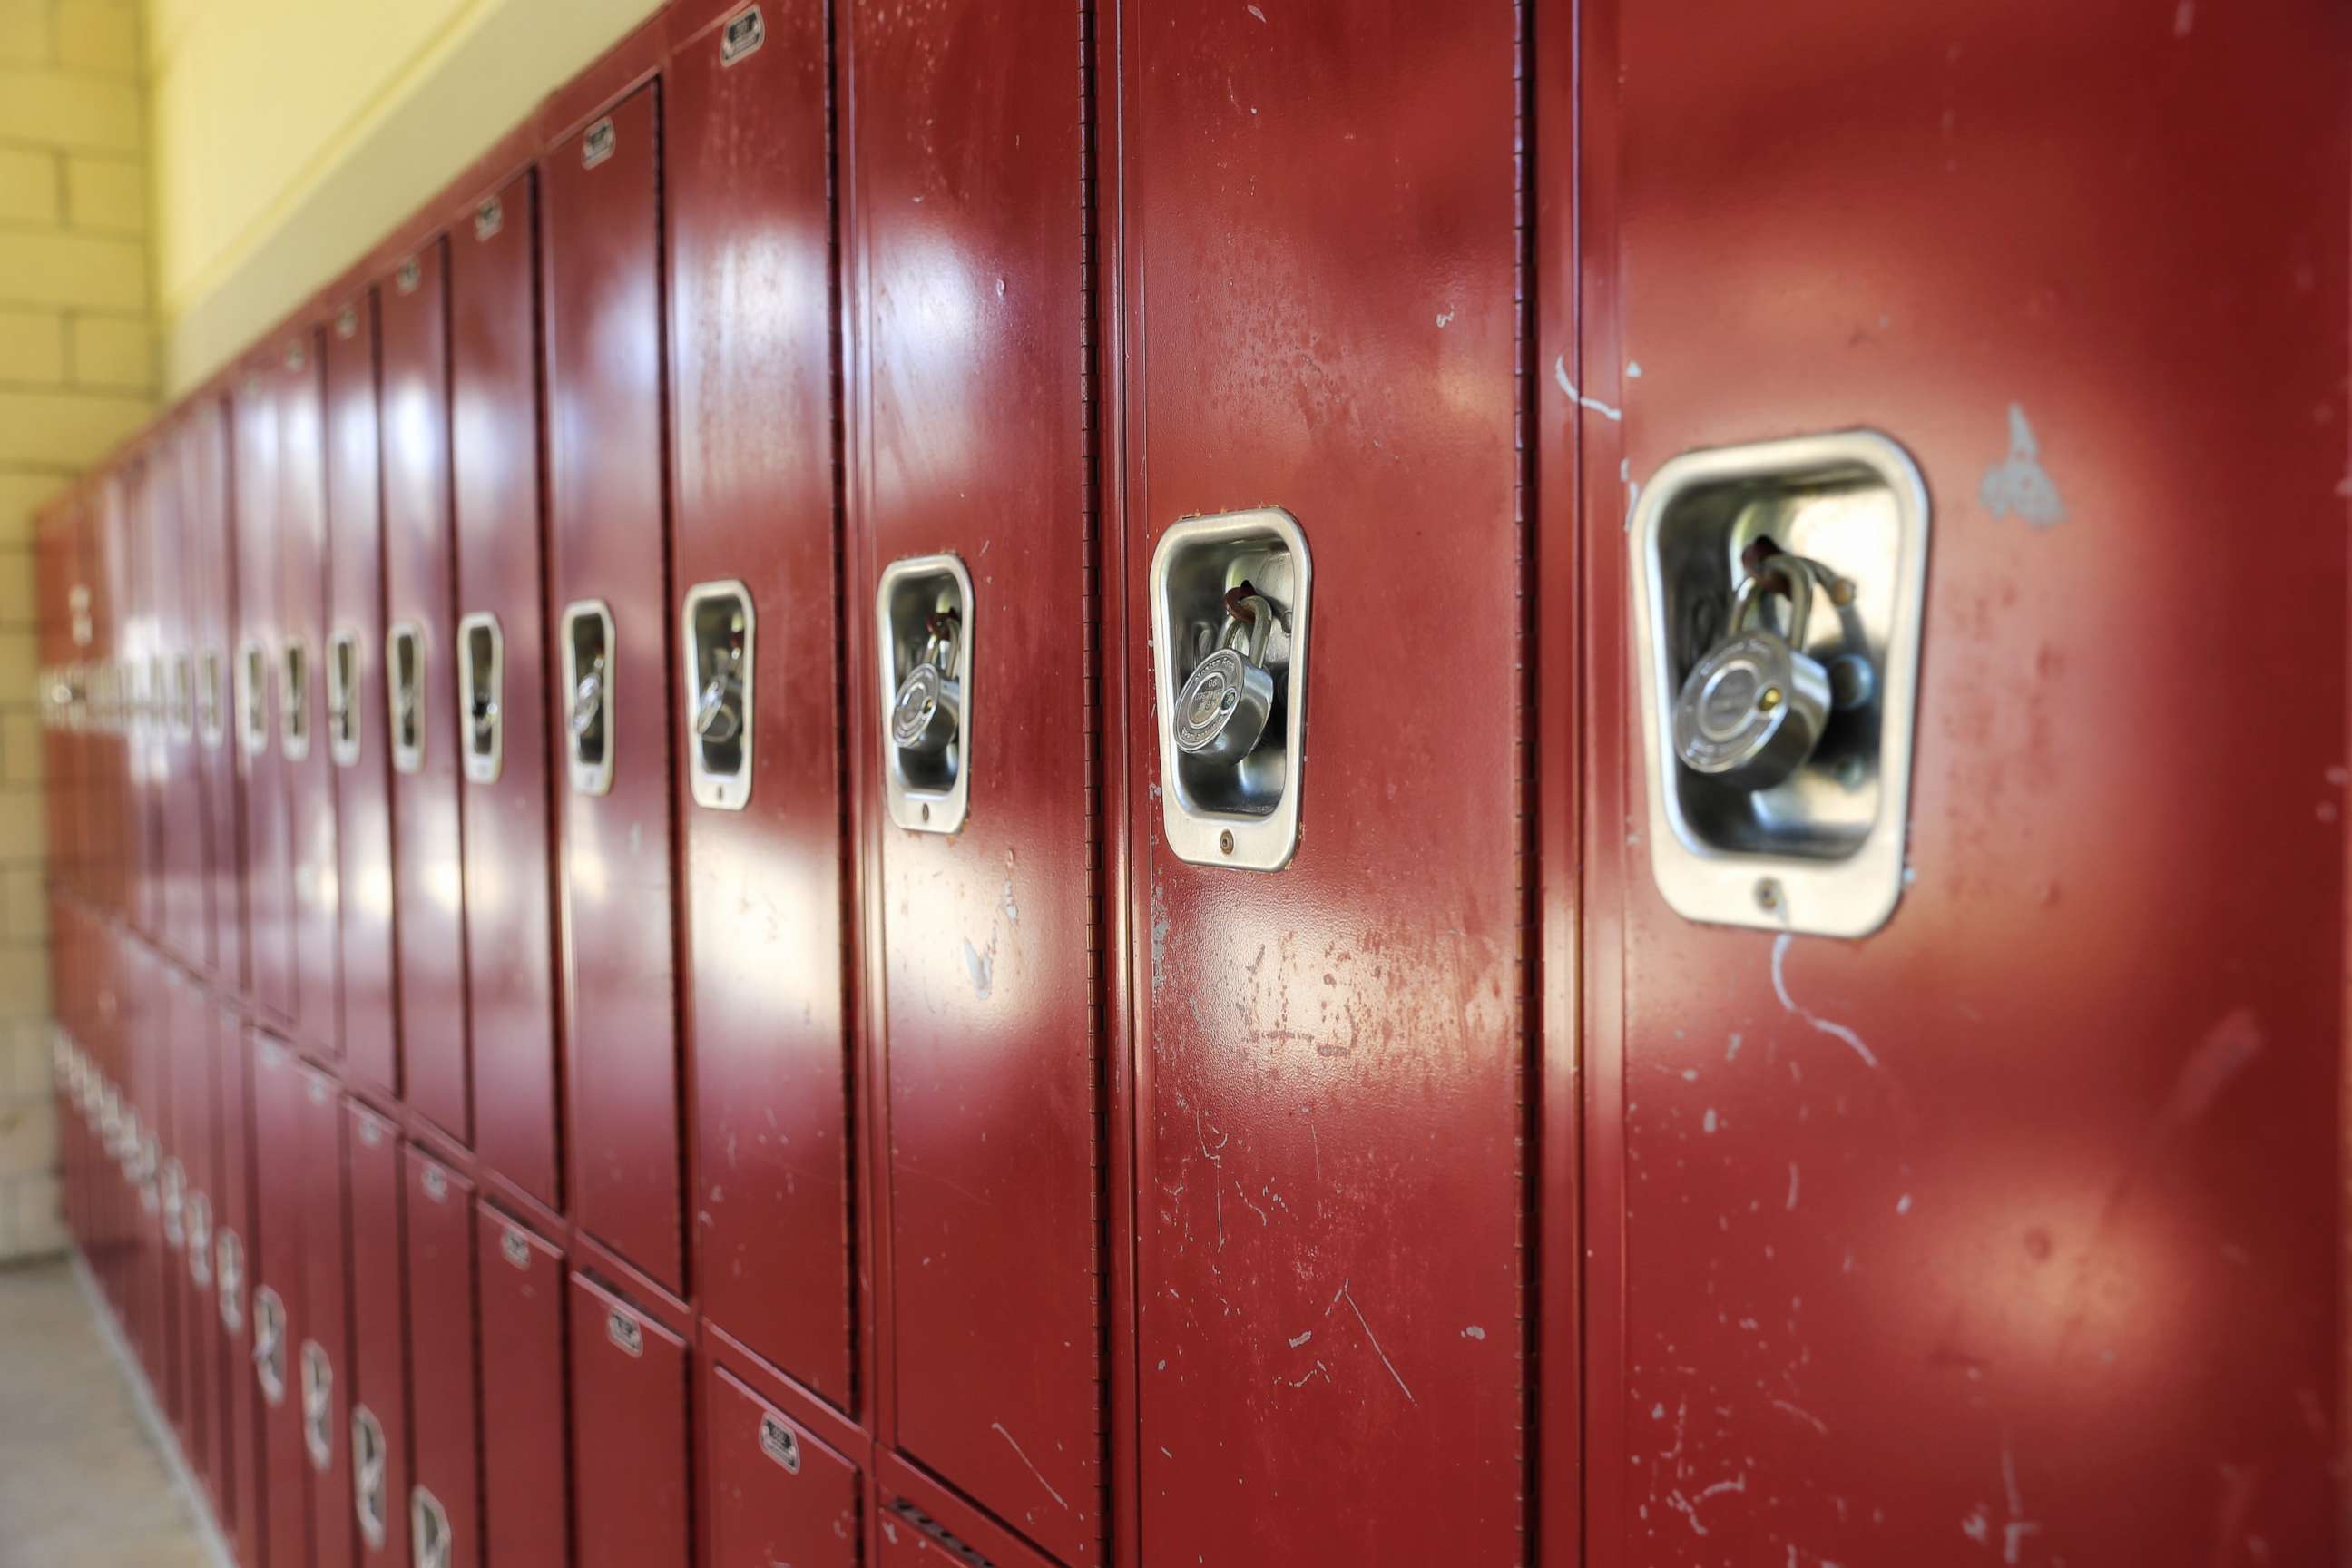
(343, 697)
(200, 1240)
(183, 698)
(253, 702)
(403, 660)
(780, 1443)
(1779, 739)
(481, 686)
(588, 694)
(317, 1405)
(269, 1343)
(428, 1529)
(228, 1270)
(369, 1457)
(720, 626)
(1229, 633)
(294, 700)
(924, 611)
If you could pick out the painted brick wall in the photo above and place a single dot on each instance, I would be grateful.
(76, 373)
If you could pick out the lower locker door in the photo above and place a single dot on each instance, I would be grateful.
(280, 1172)
(239, 1488)
(628, 1435)
(441, 1512)
(379, 1419)
(324, 1354)
(520, 1279)
(775, 1493)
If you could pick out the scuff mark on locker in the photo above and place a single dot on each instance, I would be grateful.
(1837, 1031)
(1346, 1293)
(2019, 485)
(1559, 374)
(1159, 940)
(998, 1427)
(980, 967)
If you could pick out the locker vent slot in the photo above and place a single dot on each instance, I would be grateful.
(938, 1534)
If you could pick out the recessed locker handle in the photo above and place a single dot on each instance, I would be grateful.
(209, 699)
(294, 700)
(588, 694)
(481, 689)
(720, 626)
(924, 609)
(368, 1463)
(428, 1529)
(343, 697)
(404, 659)
(183, 697)
(269, 1343)
(317, 1405)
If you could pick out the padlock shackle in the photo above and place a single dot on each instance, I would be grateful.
(1245, 606)
(1794, 577)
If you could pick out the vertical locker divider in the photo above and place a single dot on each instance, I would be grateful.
(754, 558)
(358, 728)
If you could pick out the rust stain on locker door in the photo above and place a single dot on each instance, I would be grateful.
(1998, 1235)
(972, 436)
(608, 571)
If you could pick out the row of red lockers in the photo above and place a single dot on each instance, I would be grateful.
(525, 1121)
(1443, 1195)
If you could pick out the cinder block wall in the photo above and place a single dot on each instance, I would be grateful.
(76, 373)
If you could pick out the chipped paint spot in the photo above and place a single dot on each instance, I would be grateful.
(980, 967)
(1780, 987)
(1559, 374)
(1159, 941)
(1446, 317)
(2184, 18)
(1903, 1203)
(1633, 370)
(2017, 484)
(1255, 11)
(1474, 1332)
(1302, 1339)
(1803, 1415)
(1707, 1122)
(1791, 1205)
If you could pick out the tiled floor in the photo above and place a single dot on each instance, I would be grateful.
(82, 1485)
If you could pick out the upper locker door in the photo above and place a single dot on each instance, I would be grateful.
(607, 573)
(1321, 252)
(362, 731)
(2004, 1233)
(974, 507)
(314, 904)
(505, 661)
(422, 655)
(211, 574)
(253, 724)
(177, 546)
(322, 1356)
(751, 328)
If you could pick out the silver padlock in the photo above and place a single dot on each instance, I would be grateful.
(718, 709)
(928, 707)
(1754, 707)
(1224, 709)
(588, 700)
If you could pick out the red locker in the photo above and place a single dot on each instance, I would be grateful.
(629, 1454)
(380, 1337)
(1322, 248)
(445, 1505)
(430, 870)
(362, 727)
(1976, 1248)
(323, 1352)
(115, 846)
(303, 565)
(973, 440)
(524, 1502)
(173, 749)
(210, 575)
(753, 551)
(137, 584)
(503, 658)
(187, 1079)
(195, 1096)
(261, 770)
(236, 1212)
(774, 1492)
(608, 571)
(282, 1181)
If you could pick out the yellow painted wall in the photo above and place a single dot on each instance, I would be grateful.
(288, 135)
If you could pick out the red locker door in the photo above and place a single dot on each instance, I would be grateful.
(629, 1458)
(195, 1096)
(135, 648)
(187, 1085)
(416, 565)
(360, 731)
(323, 1352)
(282, 1178)
(253, 724)
(525, 1512)
(179, 801)
(989, 935)
(1989, 1237)
(608, 571)
(1323, 240)
(379, 1368)
(751, 242)
(444, 1503)
(236, 1212)
(302, 561)
(213, 639)
(775, 1493)
(508, 890)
